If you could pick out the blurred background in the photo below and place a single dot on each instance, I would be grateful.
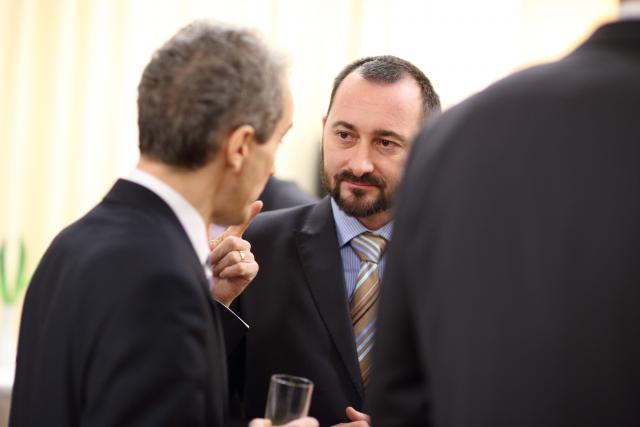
(69, 71)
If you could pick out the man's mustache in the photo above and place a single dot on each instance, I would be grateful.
(368, 178)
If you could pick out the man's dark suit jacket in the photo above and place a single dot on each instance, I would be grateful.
(118, 326)
(512, 288)
(298, 312)
(280, 194)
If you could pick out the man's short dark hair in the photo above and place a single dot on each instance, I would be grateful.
(204, 82)
(390, 69)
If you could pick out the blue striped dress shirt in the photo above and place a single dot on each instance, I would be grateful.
(348, 227)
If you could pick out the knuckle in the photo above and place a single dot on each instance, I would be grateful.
(230, 243)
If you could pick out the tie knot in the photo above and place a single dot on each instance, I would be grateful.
(368, 246)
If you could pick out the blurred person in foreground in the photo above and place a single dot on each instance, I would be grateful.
(312, 307)
(512, 289)
(119, 326)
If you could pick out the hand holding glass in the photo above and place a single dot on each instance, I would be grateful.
(288, 399)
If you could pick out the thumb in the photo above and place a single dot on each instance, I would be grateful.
(259, 422)
(238, 230)
(354, 415)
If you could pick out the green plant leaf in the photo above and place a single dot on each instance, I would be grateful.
(10, 294)
(21, 273)
(3, 278)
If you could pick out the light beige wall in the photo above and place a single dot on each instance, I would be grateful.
(550, 28)
(69, 71)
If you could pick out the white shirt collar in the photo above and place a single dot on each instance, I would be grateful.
(630, 10)
(188, 216)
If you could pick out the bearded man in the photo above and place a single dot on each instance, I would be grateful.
(312, 307)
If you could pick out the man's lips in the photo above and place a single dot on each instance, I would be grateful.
(360, 185)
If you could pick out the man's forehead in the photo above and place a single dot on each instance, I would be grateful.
(354, 80)
(355, 91)
(373, 106)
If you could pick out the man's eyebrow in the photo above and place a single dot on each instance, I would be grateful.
(342, 123)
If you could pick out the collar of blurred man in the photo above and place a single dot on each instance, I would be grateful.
(629, 9)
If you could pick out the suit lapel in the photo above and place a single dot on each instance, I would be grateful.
(318, 248)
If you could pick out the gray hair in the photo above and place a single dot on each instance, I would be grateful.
(207, 80)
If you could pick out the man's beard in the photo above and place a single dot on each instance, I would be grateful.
(359, 207)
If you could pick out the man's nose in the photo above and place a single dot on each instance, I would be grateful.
(360, 162)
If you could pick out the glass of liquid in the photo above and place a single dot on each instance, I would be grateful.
(288, 399)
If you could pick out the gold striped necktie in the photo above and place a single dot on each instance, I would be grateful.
(369, 248)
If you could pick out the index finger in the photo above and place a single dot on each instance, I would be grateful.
(238, 230)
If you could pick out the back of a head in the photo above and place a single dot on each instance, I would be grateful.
(205, 81)
(390, 69)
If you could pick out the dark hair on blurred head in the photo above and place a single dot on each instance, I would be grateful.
(205, 81)
(390, 69)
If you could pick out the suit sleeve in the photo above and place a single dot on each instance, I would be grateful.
(150, 366)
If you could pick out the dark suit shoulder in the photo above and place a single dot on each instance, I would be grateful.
(110, 251)
(125, 228)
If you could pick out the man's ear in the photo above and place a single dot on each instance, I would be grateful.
(237, 146)
(324, 120)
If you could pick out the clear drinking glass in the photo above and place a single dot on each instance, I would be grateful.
(289, 398)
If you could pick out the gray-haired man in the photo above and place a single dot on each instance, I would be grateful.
(119, 327)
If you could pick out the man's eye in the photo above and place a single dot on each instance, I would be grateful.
(343, 135)
(386, 143)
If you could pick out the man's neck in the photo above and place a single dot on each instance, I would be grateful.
(193, 185)
(377, 221)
